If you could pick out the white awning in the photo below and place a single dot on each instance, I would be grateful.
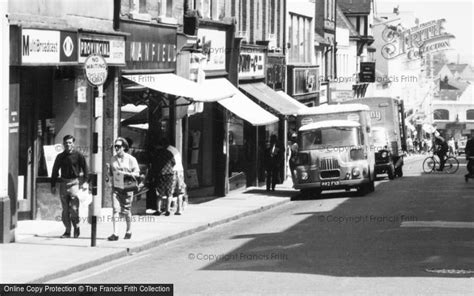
(260, 91)
(178, 86)
(241, 105)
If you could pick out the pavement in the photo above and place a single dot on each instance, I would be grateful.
(40, 255)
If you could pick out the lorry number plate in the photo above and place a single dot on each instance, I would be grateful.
(329, 183)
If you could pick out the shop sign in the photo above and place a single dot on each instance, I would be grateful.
(416, 41)
(95, 68)
(339, 96)
(48, 47)
(213, 43)
(111, 48)
(305, 81)
(251, 65)
(150, 47)
(276, 72)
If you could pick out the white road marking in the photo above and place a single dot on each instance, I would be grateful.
(126, 261)
(438, 224)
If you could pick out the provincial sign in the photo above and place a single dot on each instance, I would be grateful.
(111, 48)
(95, 68)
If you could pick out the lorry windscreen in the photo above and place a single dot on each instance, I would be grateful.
(331, 137)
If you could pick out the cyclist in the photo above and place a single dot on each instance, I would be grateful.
(441, 149)
(469, 150)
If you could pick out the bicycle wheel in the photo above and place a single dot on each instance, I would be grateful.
(451, 166)
(429, 165)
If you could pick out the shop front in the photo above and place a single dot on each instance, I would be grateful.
(252, 67)
(230, 118)
(50, 98)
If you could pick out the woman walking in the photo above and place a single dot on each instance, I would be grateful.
(125, 171)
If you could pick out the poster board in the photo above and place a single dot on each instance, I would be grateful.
(50, 153)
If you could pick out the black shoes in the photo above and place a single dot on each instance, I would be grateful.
(66, 235)
(167, 213)
(77, 232)
(157, 213)
(128, 235)
(113, 237)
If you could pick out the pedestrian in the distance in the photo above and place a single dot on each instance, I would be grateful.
(180, 191)
(163, 176)
(124, 169)
(293, 154)
(273, 155)
(469, 150)
(73, 166)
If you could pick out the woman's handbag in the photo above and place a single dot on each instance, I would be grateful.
(130, 183)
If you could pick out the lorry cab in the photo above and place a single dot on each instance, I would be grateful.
(383, 153)
(334, 149)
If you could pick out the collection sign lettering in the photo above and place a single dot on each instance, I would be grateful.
(95, 68)
(48, 47)
(414, 42)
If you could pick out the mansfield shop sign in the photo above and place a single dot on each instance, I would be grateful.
(416, 41)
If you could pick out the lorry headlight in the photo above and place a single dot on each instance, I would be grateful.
(355, 172)
(304, 176)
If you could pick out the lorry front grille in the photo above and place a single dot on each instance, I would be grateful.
(330, 174)
(329, 164)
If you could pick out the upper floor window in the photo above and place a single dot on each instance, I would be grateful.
(165, 8)
(441, 114)
(208, 8)
(470, 114)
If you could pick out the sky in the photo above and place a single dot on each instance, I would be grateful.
(459, 21)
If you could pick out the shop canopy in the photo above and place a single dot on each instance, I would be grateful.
(239, 104)
(181, 87)
(283, 105)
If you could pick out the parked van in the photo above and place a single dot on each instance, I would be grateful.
(334, 149)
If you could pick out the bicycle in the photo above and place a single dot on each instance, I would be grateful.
(431, 163)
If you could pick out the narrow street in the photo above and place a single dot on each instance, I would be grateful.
(412, 236)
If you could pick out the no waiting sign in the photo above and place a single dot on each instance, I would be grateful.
(95, 68)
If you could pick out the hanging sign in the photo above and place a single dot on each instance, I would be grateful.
(95, 69)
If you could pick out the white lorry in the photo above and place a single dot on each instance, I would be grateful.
(334, 149)
(388, 134)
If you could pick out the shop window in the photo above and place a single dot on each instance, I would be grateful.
(441, 114)
(470, 114)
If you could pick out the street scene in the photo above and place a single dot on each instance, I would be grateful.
(235, 147)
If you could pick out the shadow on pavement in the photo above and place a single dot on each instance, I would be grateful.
(363, 236)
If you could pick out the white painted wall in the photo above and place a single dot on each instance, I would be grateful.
(4, 96)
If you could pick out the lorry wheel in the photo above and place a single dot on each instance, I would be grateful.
(372, 186)
(365, 189)
(399, 171)
(391, 172)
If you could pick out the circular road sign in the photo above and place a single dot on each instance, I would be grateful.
(95, 68)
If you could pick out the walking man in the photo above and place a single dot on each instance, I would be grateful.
(469, 150)
(72, 165)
